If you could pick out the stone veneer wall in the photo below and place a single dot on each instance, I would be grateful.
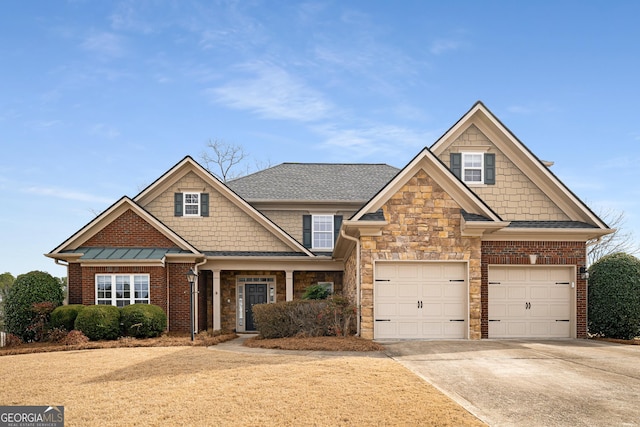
(424, 224)
(549, 253)
(514, 196)
(303, 279)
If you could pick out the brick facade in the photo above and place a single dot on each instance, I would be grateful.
(129, 230)
(549, 253)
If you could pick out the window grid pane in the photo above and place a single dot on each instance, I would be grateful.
(192, 204)
(121, 290)
(322, 231)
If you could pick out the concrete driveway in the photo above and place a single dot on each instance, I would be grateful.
(532, 383)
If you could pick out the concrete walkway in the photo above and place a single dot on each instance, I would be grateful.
(532, 383)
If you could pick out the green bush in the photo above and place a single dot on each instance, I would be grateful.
(28, 289)
(65, 316)
(614, 296)
(316, 292)
(291, 318)
(143, 320)
(99, 322)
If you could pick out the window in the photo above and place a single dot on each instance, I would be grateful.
(122, 289)
(191, 204)
(327, 285)
(322, 231)
(472, 167)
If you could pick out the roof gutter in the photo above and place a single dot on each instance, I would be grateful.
(353, 239)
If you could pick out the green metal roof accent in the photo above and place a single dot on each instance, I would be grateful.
(126, 253)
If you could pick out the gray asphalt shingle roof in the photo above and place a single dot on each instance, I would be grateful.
(315, 181)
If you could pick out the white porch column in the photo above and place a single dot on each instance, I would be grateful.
(289, 281)
(217, 306)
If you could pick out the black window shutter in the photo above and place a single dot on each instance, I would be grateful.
(306, 231)
(177, 204)
(456, 164)
(204, 204)
(337, 222)
(489, 168)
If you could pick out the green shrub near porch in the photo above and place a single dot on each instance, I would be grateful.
(65, 316)
(143, 320)
(99, 322)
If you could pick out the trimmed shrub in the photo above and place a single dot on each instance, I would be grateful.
(28, 289)
(143, 320)
(99, 322)
(291, 318)
(316, 292)
(614, 296)
(39, 325)
(65, 316)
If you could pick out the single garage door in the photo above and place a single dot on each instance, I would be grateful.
(420, 300)
(530, 302)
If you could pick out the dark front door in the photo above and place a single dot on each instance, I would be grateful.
(256, 294)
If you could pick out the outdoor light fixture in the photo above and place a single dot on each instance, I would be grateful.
(191, 277)
(584, 273)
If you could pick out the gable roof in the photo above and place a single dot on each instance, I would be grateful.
(188, 164)
(523, 158)
(109, 215)
(427, 161)
(315, 182)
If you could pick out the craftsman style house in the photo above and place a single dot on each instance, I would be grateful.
(474, 238)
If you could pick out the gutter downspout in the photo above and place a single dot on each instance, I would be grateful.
(64, 264)
(195, 270)
(353, 239)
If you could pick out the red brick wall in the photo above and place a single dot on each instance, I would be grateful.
(179, 290)
(549, 253)
(130, 231)
(82, 289)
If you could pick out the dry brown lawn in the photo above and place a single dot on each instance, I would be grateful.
(200, 386)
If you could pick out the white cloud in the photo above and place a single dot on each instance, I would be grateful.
(441, 46)
(273, 93)
(62, 193)
(104, 44)
(104, 131)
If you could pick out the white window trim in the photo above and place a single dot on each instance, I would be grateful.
(313, 231)
(185, 204)
(132, 291)
(463, 168)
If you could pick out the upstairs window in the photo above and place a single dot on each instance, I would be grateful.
(322, 231)
(191, 204)
(472, 167)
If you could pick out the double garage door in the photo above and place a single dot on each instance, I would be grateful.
(423, 300)
(420, 300)
(530, 302)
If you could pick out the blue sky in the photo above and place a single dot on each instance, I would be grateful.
(98, 99)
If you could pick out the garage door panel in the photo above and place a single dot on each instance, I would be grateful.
(419, 299)
(408, 290)
(530, 302)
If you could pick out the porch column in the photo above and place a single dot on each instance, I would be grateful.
(289, 281)
(217, 306)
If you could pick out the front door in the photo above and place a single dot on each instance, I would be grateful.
(256, 294)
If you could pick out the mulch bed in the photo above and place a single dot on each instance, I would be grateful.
(315, 344)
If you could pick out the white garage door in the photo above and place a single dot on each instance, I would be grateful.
(420, 300)
(530, 302)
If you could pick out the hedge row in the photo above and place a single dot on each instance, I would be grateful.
(333, 316)
(107, 322)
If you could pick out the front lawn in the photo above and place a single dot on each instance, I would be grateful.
(200, 386)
